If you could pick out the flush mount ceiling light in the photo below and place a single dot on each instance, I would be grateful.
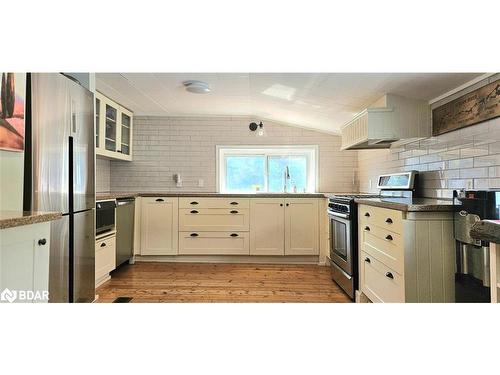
(197, 87)
(260, 128)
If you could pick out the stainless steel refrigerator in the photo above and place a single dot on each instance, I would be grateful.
(62, 179)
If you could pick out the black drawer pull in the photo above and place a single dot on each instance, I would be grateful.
(367, 214)
(194, 234)
(234, 234)
(194, 202)
(194, 212)
(367, 228)
(388, 220)
(288, 204)
(389, 275)
(367, 260)
(388, 237)
(281, 204)
(160, 200)
(42, 242)
(234, 203)
(234, 212)
(103, 244)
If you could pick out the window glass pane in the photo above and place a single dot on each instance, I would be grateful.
(245, 173)
(297, 169)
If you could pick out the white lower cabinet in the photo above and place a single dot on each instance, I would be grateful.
(284, 226)
(406, 256)
(159, 225)
(24, 263)
(105, 258)
(267, 226)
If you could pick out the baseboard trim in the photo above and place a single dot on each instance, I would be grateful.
(228, 259)
(102, 280)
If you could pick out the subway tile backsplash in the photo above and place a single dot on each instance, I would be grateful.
(164, 146)
(467, 158)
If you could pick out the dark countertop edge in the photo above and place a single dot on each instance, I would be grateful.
(486, 230)
(430, 207)
(32, 218)
(108, 196)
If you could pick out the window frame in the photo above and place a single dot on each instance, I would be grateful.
(310, 151)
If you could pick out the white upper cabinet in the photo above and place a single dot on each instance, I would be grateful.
(392, 118)
(113, 129)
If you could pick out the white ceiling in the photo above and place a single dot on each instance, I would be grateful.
(322, 101)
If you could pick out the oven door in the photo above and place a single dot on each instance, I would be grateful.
(340, 241)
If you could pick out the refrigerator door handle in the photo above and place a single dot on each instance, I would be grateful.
(73, 117)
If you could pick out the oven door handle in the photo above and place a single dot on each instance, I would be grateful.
(336, 214)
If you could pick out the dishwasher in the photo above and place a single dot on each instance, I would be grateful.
(125, 213)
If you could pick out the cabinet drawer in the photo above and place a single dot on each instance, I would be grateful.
(384, 245)
(385, 218)
(105, 256)
(213, 219)
(379, 282)
(203, 202)
(213, 243)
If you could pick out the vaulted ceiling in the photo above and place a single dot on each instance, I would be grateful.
(322, 101)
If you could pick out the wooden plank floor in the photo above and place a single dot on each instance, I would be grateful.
(201, 282)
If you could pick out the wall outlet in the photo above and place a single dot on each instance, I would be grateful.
(201, 182)
(370, 183)
(470, 184)
(178, 180)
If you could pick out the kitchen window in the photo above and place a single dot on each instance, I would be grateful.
(268, 169)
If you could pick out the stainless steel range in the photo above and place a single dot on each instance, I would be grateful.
(343, 219)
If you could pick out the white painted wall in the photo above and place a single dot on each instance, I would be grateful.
(11, 180)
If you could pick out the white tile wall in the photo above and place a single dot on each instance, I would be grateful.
(467, 158)
(164, 146)
(102, 177)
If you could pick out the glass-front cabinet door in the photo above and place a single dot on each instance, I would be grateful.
(111, 120)
(113, 129)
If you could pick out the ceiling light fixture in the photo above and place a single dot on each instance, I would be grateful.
(197, 87)
(260, 128)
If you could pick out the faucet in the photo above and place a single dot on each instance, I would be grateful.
(287, 178)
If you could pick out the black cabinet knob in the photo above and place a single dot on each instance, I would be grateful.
(367, 260)
(367, 228)
(42, 242)
(103, 244)
(388, 220)
(233, 212)
(194, 211)
(288, 204)
(234, 234)
(234, 203)
(281, 204)
(194, 234)
(389, 275)
(194, 203)
(367, 214)
(388, 237)
(160, 200)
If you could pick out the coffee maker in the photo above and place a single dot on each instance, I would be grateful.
(472, 277)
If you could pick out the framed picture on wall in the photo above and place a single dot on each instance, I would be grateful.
(12, 111)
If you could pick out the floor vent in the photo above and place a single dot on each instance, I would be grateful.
(122, 300)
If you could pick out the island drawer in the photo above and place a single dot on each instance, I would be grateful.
(379, 282)
(383, 217)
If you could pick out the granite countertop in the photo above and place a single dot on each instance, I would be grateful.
(10, 219)
(409, 204)
(486, 230)
(113, 195)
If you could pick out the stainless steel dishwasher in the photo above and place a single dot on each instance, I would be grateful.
(125, 212)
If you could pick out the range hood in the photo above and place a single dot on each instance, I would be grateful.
(390, 119)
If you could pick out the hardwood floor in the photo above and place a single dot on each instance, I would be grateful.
(201, 282)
